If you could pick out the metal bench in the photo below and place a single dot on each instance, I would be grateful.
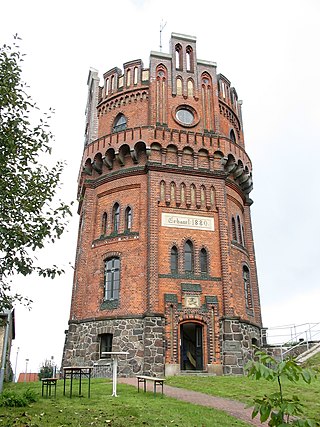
(156, 381)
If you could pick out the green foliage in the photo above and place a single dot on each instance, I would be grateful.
(280, 410)
(28, 218)
(11, 399)
(46, 370)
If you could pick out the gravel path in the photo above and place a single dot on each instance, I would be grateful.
(232, 407)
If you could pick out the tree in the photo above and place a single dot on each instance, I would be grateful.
(46, 370)
(29, 216)
(278, 409)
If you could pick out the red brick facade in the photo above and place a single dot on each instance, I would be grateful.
(164, 190)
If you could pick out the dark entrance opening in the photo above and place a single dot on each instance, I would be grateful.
(191, 347)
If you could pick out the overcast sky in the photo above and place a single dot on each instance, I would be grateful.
(270, 52)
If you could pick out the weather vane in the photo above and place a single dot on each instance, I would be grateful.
(162, 25)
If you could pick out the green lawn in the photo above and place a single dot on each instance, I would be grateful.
(243, 389)
(130, 409)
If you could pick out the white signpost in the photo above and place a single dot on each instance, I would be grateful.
(114, 356)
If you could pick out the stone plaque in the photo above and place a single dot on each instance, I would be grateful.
(232, 346)
(187, 221)
(192, 301)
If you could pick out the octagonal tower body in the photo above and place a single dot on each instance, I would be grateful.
(165, 265)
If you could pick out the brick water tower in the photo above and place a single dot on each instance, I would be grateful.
(165, 265)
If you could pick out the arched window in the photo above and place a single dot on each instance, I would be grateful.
(240, 240)
(233, 136)
(190, 88)
(128, 77)
(247, 287)
(104, 224)
(179, 86)
(135, 75)
(178, 49)
(112, 279)
(189, 58)
(234, 229)
(112, 83)
(128, 218)
(120, 123)
(174, 260)
(188, 257)
(107, 87)
(203, 261)
(116, 217)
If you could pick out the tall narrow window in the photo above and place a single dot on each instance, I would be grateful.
(107, 87)
(234, 229)
(203, 261)
(112, 84)
(193, 194)
(135, 75)
(178, 49)
(247, 287)
(174, 260)
(232, 136)
(240, 240)
(162, 190)
(128, 77)
(116, 217)
(128, 218)
(188, 257)
(179, 86)
(105, 345)
(189, 58)
(190, 88)
(112, 279)
(104, 224)
(183, 193)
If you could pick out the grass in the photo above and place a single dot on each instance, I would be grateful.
(244, 389)
(130, 409)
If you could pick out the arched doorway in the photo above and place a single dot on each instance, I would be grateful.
(191, 356)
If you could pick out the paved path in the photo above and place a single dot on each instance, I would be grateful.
(232, 407)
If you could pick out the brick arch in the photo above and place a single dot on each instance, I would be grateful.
(97, 163)
(172, 155)
(203, 159)
(87, 168)
(155, 155)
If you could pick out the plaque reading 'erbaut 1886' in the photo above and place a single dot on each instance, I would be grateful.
(187, 221)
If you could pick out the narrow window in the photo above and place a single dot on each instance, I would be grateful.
(128, 78)
(188, 257)
(240, 240)
(174, 260)
(112, 84)
(179, 86)
(232, 136)
(162, 190)
(112, 279)
(189, 58)
(116, 217)
(190, 88)
(104, 224)
(107, 87)
(105, 345)
(135, 75)
(247, 287)
(203, 261)
(128, 218)
(243, 239)
(178, 56)
(120, 123)
(234, 229)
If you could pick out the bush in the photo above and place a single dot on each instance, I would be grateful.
(11, 399)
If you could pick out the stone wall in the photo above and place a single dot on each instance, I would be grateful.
(238, 341)
(141, 337)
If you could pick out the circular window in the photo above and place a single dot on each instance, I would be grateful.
(186, 115)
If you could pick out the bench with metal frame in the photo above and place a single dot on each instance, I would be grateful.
(156, 381)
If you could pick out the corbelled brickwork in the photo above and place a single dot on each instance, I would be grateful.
(165, 265)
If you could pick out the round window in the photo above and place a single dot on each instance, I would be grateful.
(185, 116)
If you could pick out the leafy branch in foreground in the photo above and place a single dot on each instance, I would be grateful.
(280, 410)
(27, 217)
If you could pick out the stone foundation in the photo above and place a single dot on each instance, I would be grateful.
(141, 337)
(238, 344)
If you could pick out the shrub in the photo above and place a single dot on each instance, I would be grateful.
(11, 399)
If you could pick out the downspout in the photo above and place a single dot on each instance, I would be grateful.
(4, 350)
